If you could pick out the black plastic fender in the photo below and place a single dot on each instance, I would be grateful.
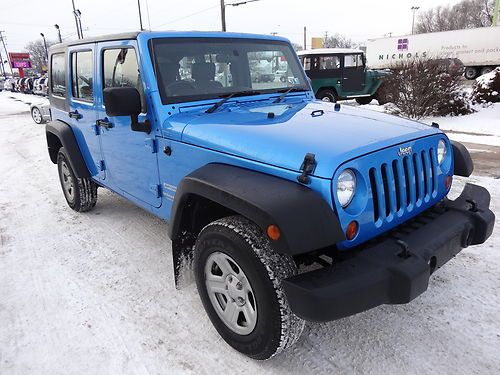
(462, 160)
(305, 219)
(60, 134)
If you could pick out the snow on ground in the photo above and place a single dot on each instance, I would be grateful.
(93, 293)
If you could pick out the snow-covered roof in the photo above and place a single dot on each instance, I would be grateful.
(327, 51)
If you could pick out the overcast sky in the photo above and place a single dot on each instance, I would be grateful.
(24, 20)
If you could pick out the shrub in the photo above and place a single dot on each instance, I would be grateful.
(486, 89)
(421, 88)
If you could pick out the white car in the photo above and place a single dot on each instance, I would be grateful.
(10, 84)
(40, 112)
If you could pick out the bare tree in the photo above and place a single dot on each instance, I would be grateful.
(421, 88)
(38, 54)
(297, 47)
(337, 41)
(464, 15)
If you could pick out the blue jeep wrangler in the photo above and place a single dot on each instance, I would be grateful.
(290, 208)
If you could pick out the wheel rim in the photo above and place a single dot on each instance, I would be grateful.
(469, 73)
(37, 116)
(231, 294)
(67, 182)
(326, 99)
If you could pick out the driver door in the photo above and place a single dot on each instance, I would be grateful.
(130, 157)
(353, 73)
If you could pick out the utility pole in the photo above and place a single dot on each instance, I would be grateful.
(46, 49)
(414, 9)
(78, 21)
(223, 6)
(140, 15)
(7, 53)
(223, 14)
(495, 13)
(305, 37)
(58, 32)
(1, 64)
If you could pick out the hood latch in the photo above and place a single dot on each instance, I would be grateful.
(308, 166)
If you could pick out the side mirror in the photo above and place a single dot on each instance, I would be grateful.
(125, 101)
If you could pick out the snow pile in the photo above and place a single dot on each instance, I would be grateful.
(486, 89)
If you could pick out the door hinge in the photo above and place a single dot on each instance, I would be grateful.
(102, 166)
(151, 143)
(155, 189)
(95, 128)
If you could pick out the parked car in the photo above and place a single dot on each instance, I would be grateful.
(340, 73)
(10, 84)
(40, 86)
(257, 182)
(40, 112)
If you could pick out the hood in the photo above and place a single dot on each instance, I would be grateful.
(248, 130)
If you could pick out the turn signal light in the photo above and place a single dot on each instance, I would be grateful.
(273, 232)
(352, 230)
(448, 182)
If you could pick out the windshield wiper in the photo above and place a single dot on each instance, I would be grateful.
(286, 92)
(229, 96)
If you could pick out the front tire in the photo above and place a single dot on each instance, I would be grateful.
(80, 193)
(239, 277)
(36, 115)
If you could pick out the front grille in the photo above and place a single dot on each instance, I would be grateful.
(403, 184)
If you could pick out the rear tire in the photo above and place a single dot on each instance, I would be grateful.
(80, 193)
(239, 276)
(364, 100)
(486, 70)
(327, 95)
(470, 73)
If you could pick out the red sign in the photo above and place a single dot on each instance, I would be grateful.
(14, 56)
(21, 64)
(20, 60)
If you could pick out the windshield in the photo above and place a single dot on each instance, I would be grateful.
(207, 68)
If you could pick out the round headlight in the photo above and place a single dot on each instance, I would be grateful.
(346, 186)
(441, 151)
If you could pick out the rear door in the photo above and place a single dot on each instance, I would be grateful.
(82, 113)
(353, 72)
(130, 157)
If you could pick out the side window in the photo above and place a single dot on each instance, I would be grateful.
(329, 62)
(353, 61)
(58, 75)
(82, 73)
(120, 69)
(306, 61)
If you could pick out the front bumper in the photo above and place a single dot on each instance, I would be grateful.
(395, 269)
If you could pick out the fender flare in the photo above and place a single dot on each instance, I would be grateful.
(305, 219)
(462, 161)
(63, 132)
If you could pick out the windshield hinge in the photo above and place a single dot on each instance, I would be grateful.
(308, 166)
(156, 190)
(151, 143)
(102, 165)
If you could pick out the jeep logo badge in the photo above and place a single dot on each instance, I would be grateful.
(403, 151)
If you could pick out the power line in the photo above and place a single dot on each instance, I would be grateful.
(186, 16)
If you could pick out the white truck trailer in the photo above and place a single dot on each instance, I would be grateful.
(477, 49)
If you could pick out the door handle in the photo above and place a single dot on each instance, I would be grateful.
(105, 124)
(75, 115)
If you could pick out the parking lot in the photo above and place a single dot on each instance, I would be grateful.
(93, 293)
